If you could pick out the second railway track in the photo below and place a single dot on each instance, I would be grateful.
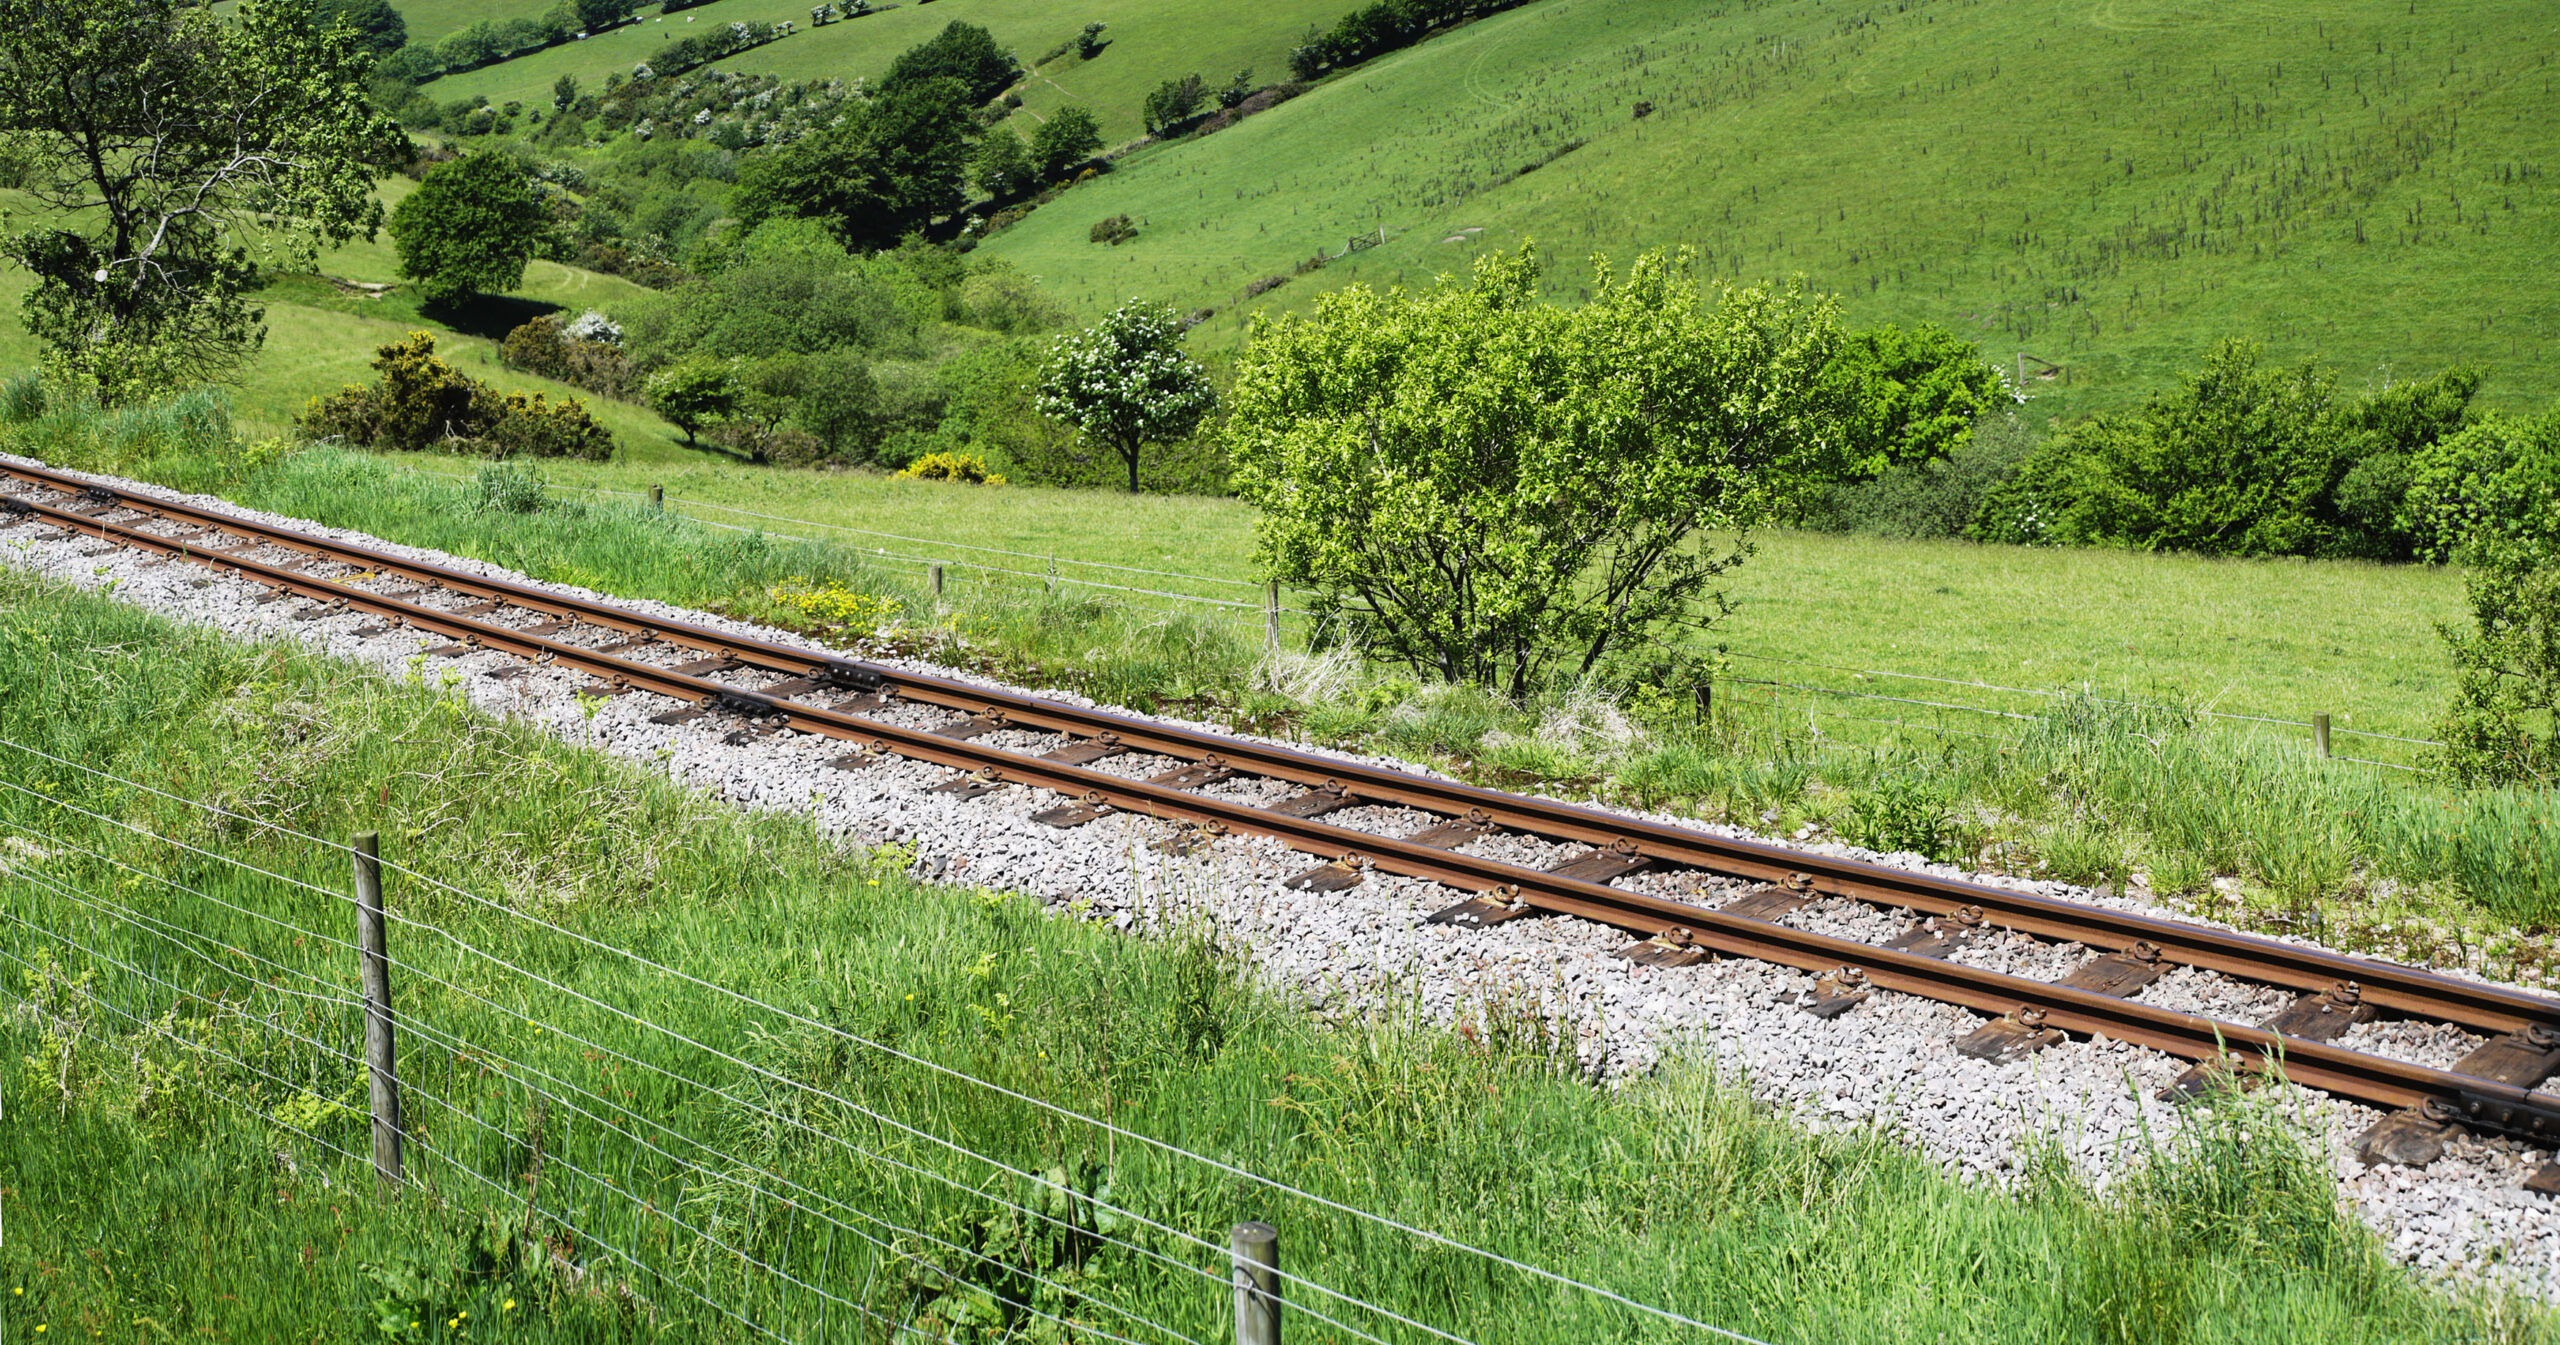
(760, 688)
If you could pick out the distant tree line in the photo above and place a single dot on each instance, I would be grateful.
(1376, 29)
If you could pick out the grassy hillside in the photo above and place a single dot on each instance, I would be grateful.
(2109, 187)
(1150, 41)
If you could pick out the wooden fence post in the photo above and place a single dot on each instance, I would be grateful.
(379, 1053)
(2320, 735)
(1706, 701)
(935, 571)
(1271, 614)
(658, 498)
(1257, 1281)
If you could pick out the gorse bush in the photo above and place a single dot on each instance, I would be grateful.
(960, 467)
(422, 401)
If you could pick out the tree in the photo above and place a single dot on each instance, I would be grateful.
(1913, 395)
(1238, 89)
(963, 51)
(894, 165)
(1173, 102)
(1069, 137)
(564, 93)
(1497, 490)
(693, 394)
(1001, 169)
(378, 27)
(474, 46)
(468, 227)
(597, 15)
(1126, 383)
(183, 155)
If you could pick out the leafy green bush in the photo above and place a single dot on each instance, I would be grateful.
(1938, 497)
(2501, 727)
(1911, 396)
(2240, 459)
(2497, 481)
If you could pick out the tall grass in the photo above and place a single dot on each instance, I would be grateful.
(146, 1178)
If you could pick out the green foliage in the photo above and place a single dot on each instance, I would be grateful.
(694, 393)
(894, 164)
(1381, 27)
(1900, 814)
(964, 52)
(141, 262)
(2496, 483)
(1125, 383)
(789, 287)
(1174, 101)
(421, 401)
(512, 488)
(1088, 40)
(564, 93)
(468, 228)
(1002, 168)
(1930, 497)
(1497, 490)
(1070, 136)
(1912, 395)
(543, 346)
(378, 27)
(1116, 230)
(2501, 727)
(2242, 459)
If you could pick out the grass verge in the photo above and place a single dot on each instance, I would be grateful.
(184, 1067)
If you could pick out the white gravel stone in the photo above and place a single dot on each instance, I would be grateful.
(1889, 1062)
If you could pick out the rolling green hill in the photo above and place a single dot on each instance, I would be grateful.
(1149, 41)
(2108, 186)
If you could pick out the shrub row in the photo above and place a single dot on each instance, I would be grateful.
(1376, 29)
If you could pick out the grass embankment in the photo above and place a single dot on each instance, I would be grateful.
(168, 1175)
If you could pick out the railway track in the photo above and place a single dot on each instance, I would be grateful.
(758, 687)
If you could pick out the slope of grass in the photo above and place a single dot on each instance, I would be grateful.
(588, 1176)
(1150, 41)
(2109, 187)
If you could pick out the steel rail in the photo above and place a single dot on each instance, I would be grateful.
(2472, 1005)
(2373, 1080)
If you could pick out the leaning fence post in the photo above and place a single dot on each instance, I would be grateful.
(378, 1049)
(934, 572)
(658, 499)
(1271, 614)
(1257, 1279)
(2320, 735)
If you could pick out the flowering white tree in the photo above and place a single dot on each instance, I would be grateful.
(1125, 382)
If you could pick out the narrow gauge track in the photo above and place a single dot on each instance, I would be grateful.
(2488, 1090)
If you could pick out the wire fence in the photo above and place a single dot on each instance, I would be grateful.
(641, 1132)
